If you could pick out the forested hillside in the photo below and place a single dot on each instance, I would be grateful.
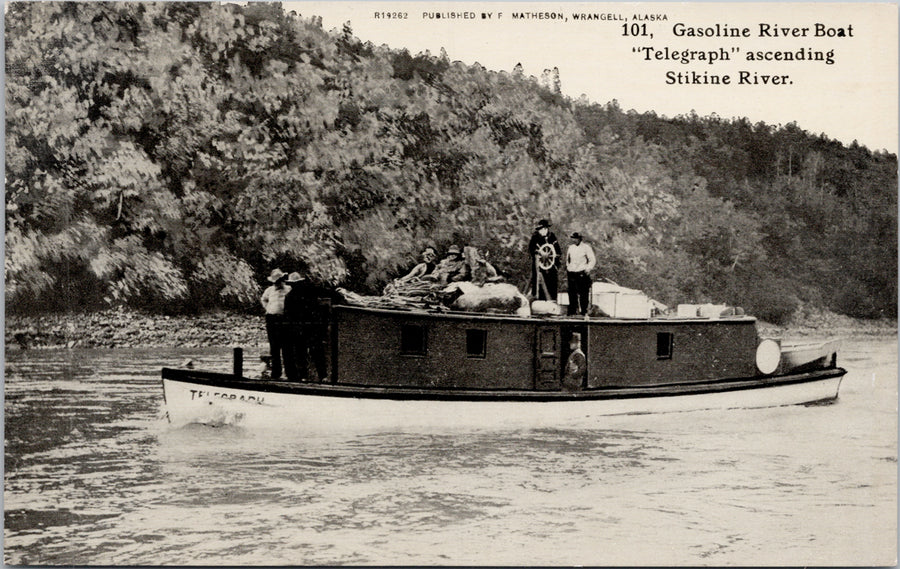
(168, 155)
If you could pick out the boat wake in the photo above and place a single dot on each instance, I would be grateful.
(219, 416)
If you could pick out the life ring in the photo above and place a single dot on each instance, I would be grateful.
(546, 256)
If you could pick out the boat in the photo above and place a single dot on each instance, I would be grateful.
(395, 368)
(812, 354)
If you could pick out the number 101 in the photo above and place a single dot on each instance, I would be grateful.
(634, 29)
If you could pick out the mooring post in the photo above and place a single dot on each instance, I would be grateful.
(238, 363)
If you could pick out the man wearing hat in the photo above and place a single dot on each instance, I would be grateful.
(545, 254)
(579, 262)
(273, 303)
(297, 316)
(306, 314)
(452, 268)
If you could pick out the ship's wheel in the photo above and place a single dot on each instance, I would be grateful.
(546, 256)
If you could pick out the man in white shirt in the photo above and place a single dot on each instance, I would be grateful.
(273, 302)
(579, 262)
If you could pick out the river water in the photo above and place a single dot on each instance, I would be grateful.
(95, 476)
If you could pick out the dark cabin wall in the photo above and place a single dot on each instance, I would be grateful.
(620, 354)
(626, 355)
(368, 346)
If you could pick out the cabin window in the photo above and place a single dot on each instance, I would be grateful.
(476, 343)
(664, 341)
(413, 340)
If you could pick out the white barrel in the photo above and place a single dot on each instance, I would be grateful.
(768, 356)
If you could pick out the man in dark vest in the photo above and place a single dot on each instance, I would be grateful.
(306, 310)
(296, 313)
(545, 254)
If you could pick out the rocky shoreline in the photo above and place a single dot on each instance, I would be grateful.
(815, 323)
(130, 329)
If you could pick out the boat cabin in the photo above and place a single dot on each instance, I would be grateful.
(423, 349)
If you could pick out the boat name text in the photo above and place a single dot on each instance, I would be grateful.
(200, 394)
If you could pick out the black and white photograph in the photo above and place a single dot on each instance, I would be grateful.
(420, 283)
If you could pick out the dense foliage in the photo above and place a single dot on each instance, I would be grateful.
(167, 155)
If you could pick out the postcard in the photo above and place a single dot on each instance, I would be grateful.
(451, 283)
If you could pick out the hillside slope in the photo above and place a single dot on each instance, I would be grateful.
(167, 155)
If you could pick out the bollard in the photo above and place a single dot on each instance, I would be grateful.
(238, 363)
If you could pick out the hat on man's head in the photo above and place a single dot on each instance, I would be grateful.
(294, 277)
(543, 223)
(576, 235)
(276, 275)
(453, 250)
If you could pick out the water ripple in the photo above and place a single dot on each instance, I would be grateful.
(94, 475)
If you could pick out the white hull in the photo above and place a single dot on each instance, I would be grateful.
(188, 402)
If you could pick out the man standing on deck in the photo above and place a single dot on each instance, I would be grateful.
(297, 315)
(273, 303)
(306, 310)
(576, 365)
(580, 260)
(545, 253)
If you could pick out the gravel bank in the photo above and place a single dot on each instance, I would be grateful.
(128, 329)
(816, 323)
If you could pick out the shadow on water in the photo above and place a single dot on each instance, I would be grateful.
(24, 520)
(404, 482)
(235, 454)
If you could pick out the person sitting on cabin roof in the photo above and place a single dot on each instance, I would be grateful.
(480, 269)
(426, 267)
(451, 269)
(273, 303)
